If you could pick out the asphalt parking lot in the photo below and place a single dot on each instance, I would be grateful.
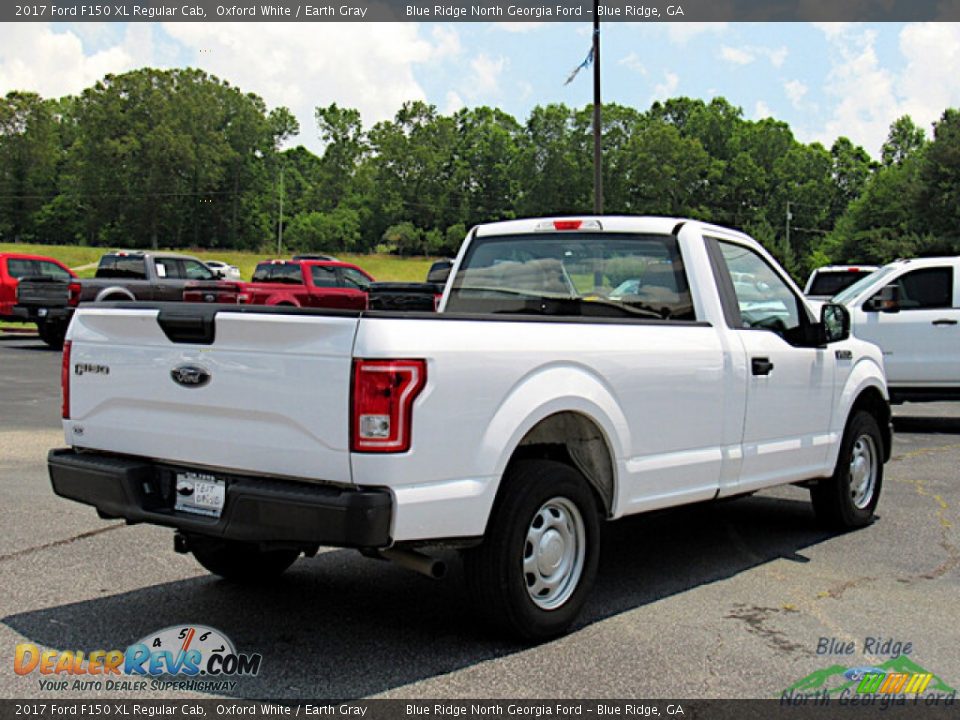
(728, 600)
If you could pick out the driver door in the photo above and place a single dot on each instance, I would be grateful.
(789, 387)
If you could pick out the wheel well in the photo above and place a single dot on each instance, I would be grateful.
(873, 402)
(575, 440)
(115, 297)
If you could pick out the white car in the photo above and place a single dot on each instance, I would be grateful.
(508, 424)
(223, 270)
(911, 309)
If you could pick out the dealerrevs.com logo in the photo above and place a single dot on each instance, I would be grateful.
(180, 657)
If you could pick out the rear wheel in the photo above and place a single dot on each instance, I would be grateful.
(239, 561)
(533, 572)
(52, 333)
(849, 497)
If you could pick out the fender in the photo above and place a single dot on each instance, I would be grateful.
(280, 298)
(114, 290)
(545, 391)
(866, 373)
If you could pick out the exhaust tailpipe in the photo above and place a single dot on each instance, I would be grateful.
(418, 562)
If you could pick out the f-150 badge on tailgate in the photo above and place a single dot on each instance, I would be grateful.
(190, 376)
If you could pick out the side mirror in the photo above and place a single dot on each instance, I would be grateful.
(887, 300)
(835, 321)
(439, 272)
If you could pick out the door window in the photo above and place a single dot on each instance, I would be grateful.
(167, 268)
(324, 276)
(49, 269)
(354, 279)
(193, 270)
(19, 268)
(764, 300)
(926, 289)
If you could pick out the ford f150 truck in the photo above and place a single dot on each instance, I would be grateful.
(911, 309)
(16, 266)
(50, 302)
(578, 370)
(294, 283)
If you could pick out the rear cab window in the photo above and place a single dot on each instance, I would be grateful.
(278, 272)
(828, 284)
(122, 266)
(574, 274)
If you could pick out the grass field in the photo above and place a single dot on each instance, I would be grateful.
(83, 260)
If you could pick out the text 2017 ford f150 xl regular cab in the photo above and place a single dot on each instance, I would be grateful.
(577, 370)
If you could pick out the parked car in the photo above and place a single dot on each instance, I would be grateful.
(223, 270)
(294, 283)
(509, 424)
(911, 309)
(120, 276)
(827, 281)
(16, 266)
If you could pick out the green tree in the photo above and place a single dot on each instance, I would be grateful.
(334, 231)
(30, 154)
(904, 139)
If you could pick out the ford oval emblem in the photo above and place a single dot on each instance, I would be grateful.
(190, 376)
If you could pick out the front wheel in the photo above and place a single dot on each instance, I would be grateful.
(533, 572)
(849, 497)
(239, 561)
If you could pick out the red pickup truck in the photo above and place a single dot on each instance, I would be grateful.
(294, 283)
(14, 266)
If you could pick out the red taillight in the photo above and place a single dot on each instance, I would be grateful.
(383, 395)
(567, 224)
(65, 381)
(73, 294)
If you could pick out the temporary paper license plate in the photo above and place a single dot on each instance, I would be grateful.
(200, 494)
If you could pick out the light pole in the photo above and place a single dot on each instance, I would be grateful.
(597, 158)
(789, 218)
(280, 218)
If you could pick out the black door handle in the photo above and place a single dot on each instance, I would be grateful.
(944, 321)
(761, 366)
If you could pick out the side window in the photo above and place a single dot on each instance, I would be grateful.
(49, 269)
(323, 276)
(765, 301)
(355, 280)
(193, 270)
(167, 268)
(926, 289)
(19, 268)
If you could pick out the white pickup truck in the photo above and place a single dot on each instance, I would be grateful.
(911, 310)
(578, 370)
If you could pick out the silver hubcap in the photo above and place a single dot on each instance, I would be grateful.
(553, 553)
(863, 471)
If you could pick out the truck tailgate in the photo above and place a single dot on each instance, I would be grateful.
(270, 395)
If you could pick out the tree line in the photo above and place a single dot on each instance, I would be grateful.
(179, 158)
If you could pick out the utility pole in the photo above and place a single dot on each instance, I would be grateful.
(597, 158)
(789, 218)
(280, 218)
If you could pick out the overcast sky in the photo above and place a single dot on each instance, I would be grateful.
(825, 80)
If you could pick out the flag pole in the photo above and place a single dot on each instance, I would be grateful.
(597, 176)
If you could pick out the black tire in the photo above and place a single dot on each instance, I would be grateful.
(238, 561)
(52, 334)
(836, 500)
(496, 577)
